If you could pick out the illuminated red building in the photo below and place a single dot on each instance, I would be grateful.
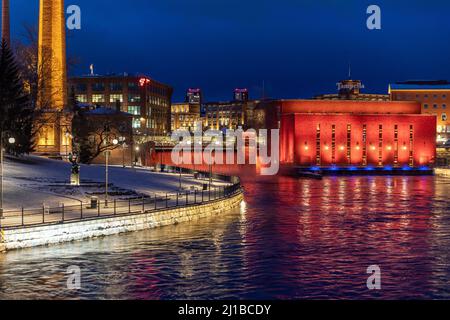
(327, 133)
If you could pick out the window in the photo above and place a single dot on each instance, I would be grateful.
(116, 97)
(435, 106)
(96, 98)
(115, 86)
(134, 98)
(444, 106)
(81, 87)
(425, 106)
(136, 123)
(444, 117)
(98, 86)
(136, 110)
(81, 98)
(133, 86)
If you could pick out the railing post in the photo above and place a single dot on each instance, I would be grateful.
(167, 201)
(81, 210)
(178, 195)
(195, 196)
(43, 214)
(187, 198)
(129, 205)
(209, 193)
(156, 201)
(115, 208)
(202, 195)
(62, 213)
(23, 221)
(98, 207)
(143, 204)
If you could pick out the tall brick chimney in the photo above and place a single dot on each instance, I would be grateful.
(5, 22)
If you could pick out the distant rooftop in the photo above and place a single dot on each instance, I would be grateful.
(112, 75)
(421, 85)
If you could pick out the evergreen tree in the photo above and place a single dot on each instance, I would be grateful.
(16, 114)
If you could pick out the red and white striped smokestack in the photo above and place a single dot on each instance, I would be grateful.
(5, 22)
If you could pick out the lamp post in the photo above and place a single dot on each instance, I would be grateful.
(11, 140)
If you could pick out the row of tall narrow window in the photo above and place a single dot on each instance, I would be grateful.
(364, 145)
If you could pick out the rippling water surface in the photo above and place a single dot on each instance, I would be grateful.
(292, 239)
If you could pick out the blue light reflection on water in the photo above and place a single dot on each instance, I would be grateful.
(293, 238)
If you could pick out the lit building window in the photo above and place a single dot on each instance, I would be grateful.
(136, 123)
(116, 97)
(364, 145)
(135, 110)
(380, 146)
(134, 98)
(97, 98)
(81, 98)
(444, 117)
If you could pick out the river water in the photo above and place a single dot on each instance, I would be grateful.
(292, 239)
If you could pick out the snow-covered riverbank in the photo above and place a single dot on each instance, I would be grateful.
(32, 181)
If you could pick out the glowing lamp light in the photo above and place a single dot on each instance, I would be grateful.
(389, 148)
(342, 148)
(12, 140)
(327, 148)
(373, 148)
(115, 142)
(358, 147)
(404, 148)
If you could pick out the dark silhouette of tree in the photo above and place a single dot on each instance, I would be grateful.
(16, 113)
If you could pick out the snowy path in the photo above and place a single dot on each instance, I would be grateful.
(26, 183)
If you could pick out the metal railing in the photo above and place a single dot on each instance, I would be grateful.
(96, 209)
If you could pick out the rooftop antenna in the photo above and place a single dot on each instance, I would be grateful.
(349, 71)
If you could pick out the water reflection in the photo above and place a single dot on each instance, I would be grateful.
(291, 239)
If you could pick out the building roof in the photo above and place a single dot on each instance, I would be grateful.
(421, 85)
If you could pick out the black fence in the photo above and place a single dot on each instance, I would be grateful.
(97, 208)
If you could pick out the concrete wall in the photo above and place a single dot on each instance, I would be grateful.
(59, 233)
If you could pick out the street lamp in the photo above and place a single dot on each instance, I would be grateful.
(11, 141)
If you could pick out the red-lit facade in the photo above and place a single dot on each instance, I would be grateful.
(353, 133)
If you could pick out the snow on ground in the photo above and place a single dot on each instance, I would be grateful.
(31, 181)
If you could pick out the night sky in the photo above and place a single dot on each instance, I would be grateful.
(299, 48)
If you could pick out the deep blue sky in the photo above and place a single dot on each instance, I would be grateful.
(298, 47)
